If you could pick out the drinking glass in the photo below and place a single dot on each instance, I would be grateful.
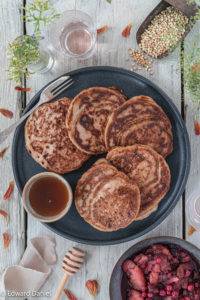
(25, 46)
(193, 208)
(44, 64)
(74, 34)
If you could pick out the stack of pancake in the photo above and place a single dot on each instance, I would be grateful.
(136, 134)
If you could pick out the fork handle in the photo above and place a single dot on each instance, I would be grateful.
(6, 132)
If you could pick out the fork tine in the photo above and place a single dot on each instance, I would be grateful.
(57, 89)
(62, 86)
(63, 89)
(54, 90)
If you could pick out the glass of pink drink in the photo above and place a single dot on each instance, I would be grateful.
(74, 34)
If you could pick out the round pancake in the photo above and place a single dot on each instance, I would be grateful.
(140, 121)
(147, 169)
(100, 161)
(47, 138)
(118, 90)
(87, 117)
(106, 198)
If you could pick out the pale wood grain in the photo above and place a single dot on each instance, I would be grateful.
(111, 50)
(11, 27)
(194, 178)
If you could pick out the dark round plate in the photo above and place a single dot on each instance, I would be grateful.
(118, 283)
(72, 226)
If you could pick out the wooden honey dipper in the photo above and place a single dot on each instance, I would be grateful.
(72, 263)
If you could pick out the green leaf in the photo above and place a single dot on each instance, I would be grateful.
(191, 65)
(109, 1)
(39, 13)
(22, 52)
(25, 49)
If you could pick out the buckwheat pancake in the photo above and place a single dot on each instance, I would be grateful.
(47, 139)
(106, 198)
(100, 161)
(118, 90)
(147, 169)
(140, 121)
(87, 117)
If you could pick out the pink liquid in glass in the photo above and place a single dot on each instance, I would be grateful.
(76, 39)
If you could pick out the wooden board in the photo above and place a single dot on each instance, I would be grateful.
(112, 50)
(194, 178)
(11, 27)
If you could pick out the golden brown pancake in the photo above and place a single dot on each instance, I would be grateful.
(147, 169)
(100, 161)
(47, 138)
(106, 198)
(118, 90)
(140, 121)
(87, 117)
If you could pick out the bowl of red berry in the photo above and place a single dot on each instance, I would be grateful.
(157, 268)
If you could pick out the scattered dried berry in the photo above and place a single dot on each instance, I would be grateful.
(22, 89)
(6, 113)
(191, 230)
(6, 240)
(2, 152)
(102, 29)
(197, 127)
(69, 295)
(127, 30)
(92, 286)
(3, 213)
(9, 191)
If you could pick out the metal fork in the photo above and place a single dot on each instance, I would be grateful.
(50, 92)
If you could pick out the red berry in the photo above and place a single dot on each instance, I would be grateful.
(168, 293)
(186, 259)
(162, 293)
(174, 294)
(190, 287)
(185, 286)
(177, 277)
(150, 295)
(169, 288)
(158, 260)
(187, 273)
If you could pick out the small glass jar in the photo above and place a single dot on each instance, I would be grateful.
(38, 59)
(43, 64)
(193, 208)
(73, 34)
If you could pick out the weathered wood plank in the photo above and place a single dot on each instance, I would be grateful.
(11, 27)
(194, 178)
(111, 50)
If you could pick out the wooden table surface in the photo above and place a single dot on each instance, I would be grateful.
(111, 51)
